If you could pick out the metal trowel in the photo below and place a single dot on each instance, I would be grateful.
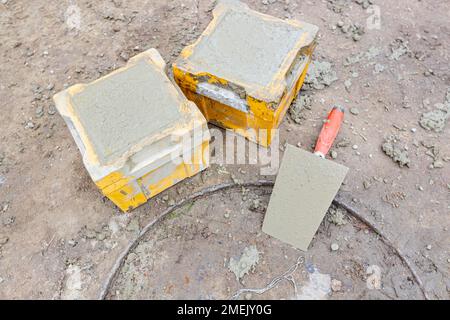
(305, 187)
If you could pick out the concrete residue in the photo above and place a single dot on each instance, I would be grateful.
(353, 30)
(372, 53)
(73, 285)
(435, 120)
(364, 3)
(337, 6)
(369, 55)
(3, 240)
(342, 143)
(302, 102)
(347, 84)
(255, 205)
(354, 58)
(393, 148)
(434, 152)
(399, 47)
(119, 222)
(378, 68)
(318, 287)
(437, 165)
(133, 225)
(336, 285)
(246, 263)
(267, 2)
(320, 75)
(336, 216)
(373, 280)
(138, 264)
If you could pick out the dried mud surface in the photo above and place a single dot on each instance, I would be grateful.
(59, 238)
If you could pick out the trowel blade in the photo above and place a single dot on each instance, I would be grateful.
(304, 190)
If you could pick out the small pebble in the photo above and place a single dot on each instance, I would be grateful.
(356, 37)
(334, 247)
(72, 243)
(51, 110)
(354, 111)
(336, 285)
(3, 241)
(101, 236)
(29, 125)
(124, 56)
(39, 111)
(355, 147)
(438, 164)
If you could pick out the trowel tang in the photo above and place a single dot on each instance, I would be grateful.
(329, 131)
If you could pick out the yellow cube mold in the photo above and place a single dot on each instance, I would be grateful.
(136, 131)
(246, 68)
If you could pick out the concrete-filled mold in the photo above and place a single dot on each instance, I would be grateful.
(137, 133)
(246, 68)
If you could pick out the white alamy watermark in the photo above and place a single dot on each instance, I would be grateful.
(72, 17)
(227, 147)
(373, 22)
(233, 148)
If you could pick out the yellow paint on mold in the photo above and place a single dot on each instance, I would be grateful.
(134, 193)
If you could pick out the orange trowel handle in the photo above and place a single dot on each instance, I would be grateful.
(329, 131)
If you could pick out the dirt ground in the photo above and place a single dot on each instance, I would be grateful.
(61, 239)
